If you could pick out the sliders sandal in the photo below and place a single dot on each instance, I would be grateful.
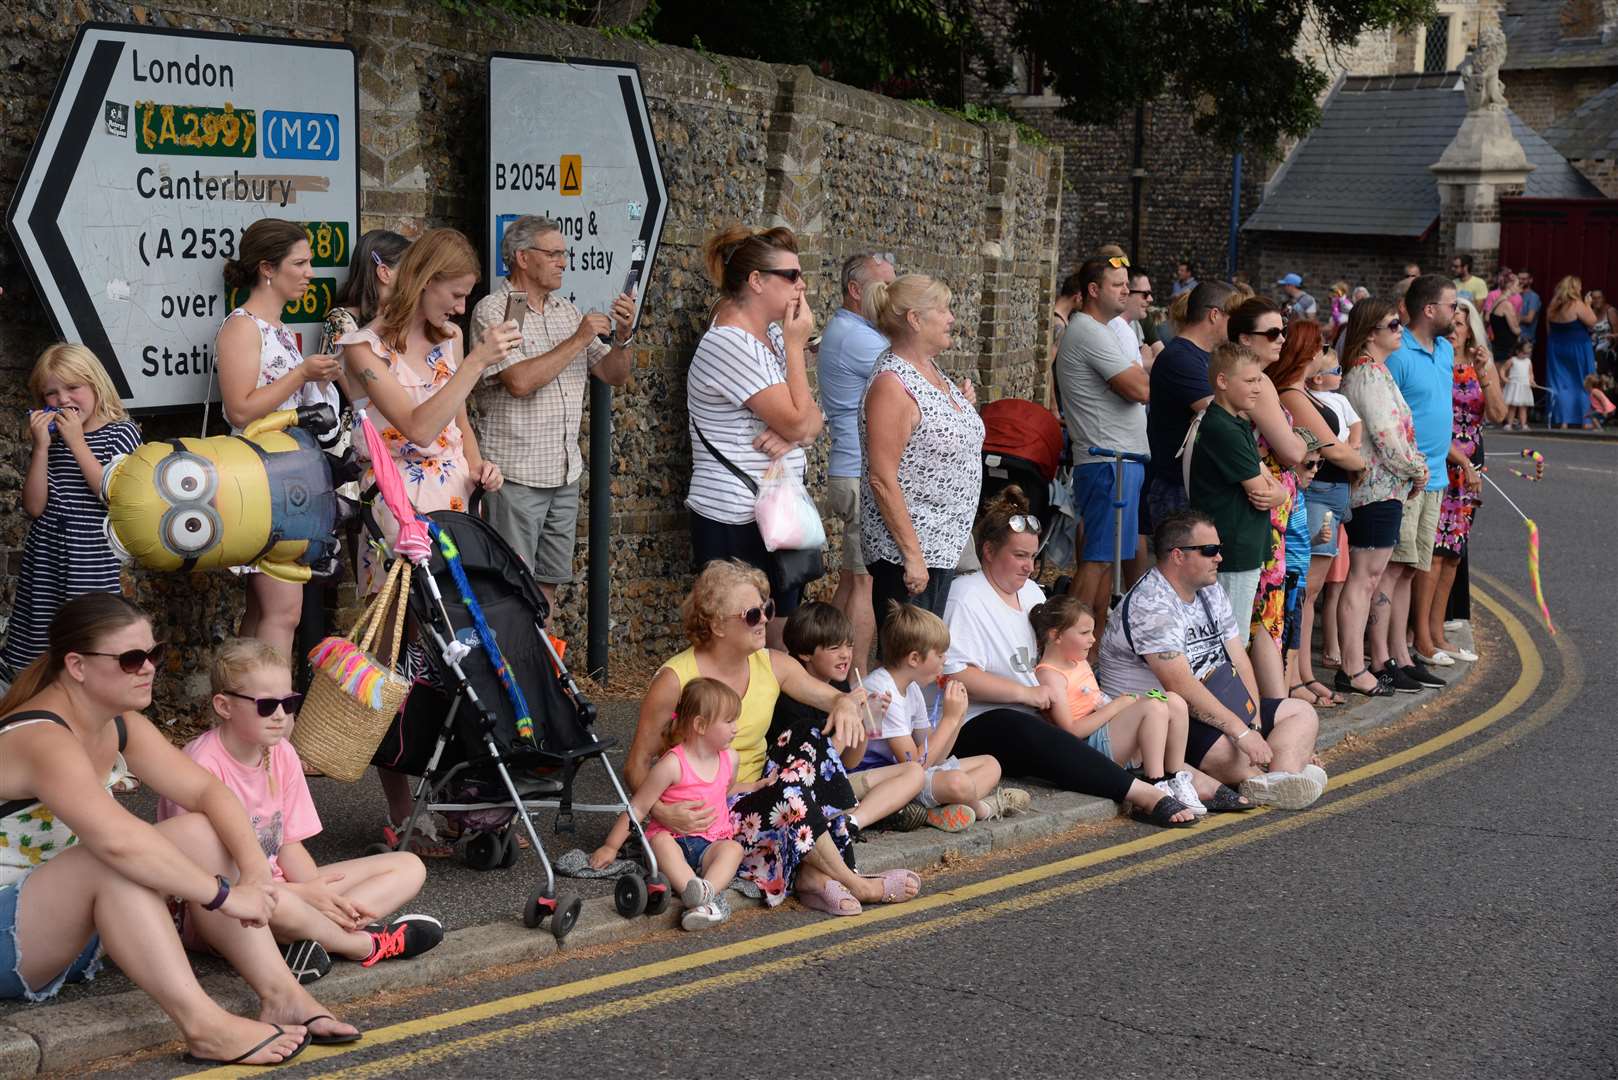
(329, 1040)
(832, 899)
(1227, 800)
(1162, 814)
(893, 883)
(192, 1059)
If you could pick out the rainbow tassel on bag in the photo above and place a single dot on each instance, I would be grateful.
(356, 674)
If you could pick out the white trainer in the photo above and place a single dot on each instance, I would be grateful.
(697, 892)
(1284, 790)
(1181, 787)
(704, 916)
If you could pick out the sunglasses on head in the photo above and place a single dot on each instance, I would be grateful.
(1118, 262)
(755, 615)
(791, 273)
(267, 705)
(132, 660)
(1207, 551)
(1274, 333)
(1023, 523)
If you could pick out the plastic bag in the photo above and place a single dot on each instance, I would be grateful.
(786, 516)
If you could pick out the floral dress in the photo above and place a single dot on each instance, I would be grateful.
(1456, 510)
(436, 476)
(1270, 602)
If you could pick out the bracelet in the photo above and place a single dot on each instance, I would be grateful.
(219, 897)
(1245, 733)
(626, 343)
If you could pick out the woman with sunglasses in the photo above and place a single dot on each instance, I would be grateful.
(993, 651)
(923, 451)
(1258, 324)
(1305, 359)
(801, 846)
(748, 399)
(1394, 468)
(79, 874)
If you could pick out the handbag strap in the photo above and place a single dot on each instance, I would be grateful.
(752, 485)
(395, 589)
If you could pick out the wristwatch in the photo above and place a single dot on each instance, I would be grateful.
(219, 898)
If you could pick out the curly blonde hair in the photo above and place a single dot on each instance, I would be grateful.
(705, 605)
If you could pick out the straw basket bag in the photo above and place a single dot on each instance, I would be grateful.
(354, 695)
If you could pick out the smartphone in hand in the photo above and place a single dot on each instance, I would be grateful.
(631, 279)
(516, 307)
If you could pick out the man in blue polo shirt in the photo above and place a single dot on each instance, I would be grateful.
(1424, 369)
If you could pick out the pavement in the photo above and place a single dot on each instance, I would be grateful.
(1459, 919)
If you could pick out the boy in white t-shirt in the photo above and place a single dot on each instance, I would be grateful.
(956, 791)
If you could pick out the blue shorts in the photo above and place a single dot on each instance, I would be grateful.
(692, 847)
(1093, 495)
(1322, 496)
(12, 986)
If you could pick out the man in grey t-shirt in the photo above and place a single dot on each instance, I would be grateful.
(1104, 396)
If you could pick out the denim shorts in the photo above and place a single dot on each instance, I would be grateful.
(692, 847)
(1323, 495)
(12, 986)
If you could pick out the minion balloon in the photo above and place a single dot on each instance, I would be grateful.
(263, 498)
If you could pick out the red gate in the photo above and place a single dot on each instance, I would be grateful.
(1557, 237)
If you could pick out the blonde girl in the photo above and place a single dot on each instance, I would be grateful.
(78, 426)
(698, 767)
(1129, 728)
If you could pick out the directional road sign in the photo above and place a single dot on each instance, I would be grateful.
(159, 148)
(571, 139)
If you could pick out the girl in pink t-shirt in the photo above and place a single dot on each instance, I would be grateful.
(698, 768)
(320, 911)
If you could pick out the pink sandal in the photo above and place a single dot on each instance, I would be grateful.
(833, 898)
(893, 883)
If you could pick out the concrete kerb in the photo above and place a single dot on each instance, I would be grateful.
(68, 1035)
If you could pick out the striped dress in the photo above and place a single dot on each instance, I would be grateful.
(66, 553)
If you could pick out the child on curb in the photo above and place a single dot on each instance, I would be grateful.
(821, 638)
(79, 425)
(1520, 386)
(956, 792)
(698, 767)
(321, 910)
(1150, 729)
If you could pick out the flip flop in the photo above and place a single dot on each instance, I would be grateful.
(1312, 699)
(893, 882)
(831, 899)
(192, 1059)
(329, 1040)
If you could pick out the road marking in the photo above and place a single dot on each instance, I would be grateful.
(1608, 473)
(1528, 681)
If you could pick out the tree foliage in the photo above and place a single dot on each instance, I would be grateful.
(1237, 61)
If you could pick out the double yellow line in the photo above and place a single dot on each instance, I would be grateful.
(1528, 681)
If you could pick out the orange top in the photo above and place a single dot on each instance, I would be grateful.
(1084, 696)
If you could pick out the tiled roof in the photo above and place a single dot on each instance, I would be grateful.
(1591, 132)
(1558, 34)
(1366, 168)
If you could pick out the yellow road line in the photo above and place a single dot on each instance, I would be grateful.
(1527, 682)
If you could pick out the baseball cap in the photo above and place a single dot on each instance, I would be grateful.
(1290, 279)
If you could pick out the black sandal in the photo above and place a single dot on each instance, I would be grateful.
(192, 1059)
(1345, 683)
(1162, 814)
(1227, 800)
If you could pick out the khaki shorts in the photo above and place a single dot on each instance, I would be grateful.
(1418, 530)
(541, 523)
(843, 500)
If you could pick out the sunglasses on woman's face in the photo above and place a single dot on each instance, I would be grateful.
(755, 615)
(1391, 324)
(791, 273)
(267, 705)
(133, 660)
(1274, 333)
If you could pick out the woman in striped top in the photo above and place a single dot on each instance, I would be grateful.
(748, 397)
(80, 425)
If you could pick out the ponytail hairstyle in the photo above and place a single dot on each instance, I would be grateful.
(267, 240)
(734, 255)
(993, 526)
(1055, 615)
(702, 702)
(888, 304)
(80, 626)
(439, 254)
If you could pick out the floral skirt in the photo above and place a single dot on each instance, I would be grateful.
(1270, 602)
(777, 825)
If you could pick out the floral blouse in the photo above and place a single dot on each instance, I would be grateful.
(1393, 462)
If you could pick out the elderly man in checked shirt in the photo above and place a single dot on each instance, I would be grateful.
(530, 404)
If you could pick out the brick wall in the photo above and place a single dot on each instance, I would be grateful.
(739, 140)
(1602, 172)
(1543, 97)
(1375, 262)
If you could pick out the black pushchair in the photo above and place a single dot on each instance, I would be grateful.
(481, 769)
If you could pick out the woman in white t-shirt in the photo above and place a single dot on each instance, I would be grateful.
(748, 398)
(992, 652)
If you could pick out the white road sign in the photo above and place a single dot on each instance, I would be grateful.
(160, 147)
(571, 139)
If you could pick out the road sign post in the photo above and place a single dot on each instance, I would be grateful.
(158, 150)
(572, 140)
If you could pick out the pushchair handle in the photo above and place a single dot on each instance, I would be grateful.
(1122, 455)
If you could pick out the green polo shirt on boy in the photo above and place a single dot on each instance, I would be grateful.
(1226, 454)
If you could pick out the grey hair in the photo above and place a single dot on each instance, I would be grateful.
(521, 234)
(1360, 293)
(857, 268)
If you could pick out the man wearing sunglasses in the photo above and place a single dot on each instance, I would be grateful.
(1104, 393)
(1423, 368)
(1175, 631)
(1129, 325)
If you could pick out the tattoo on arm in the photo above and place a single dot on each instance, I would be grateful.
(1167, 656)
(1202, 715)
(1382, 598)
(367, 375)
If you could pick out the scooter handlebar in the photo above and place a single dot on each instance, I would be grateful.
(1122, 455)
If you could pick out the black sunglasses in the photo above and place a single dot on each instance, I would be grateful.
(268, 705)
(132, 660)
(1274, 333)
(1207, 551)
(1141, 292)
(755, 615)
(792, 273)
(1391, 324)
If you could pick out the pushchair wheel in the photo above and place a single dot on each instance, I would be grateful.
(657, 894)
(483, 851)
(566, 914)
(629, 895)
(378, 848)
(539, 905)
(508, 852)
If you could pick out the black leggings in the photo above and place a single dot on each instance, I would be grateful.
(1026, 745)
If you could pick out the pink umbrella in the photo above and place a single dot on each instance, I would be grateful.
(413, 542)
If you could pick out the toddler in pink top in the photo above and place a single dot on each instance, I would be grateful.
(320, 911)
(698, 768)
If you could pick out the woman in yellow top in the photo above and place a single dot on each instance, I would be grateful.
(792, 840)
